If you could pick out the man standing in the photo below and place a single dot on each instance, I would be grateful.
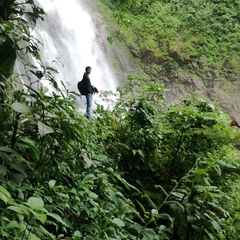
(85, 87)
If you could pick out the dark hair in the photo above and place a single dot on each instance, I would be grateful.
(88, 67)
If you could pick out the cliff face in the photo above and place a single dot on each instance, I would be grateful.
(221, 86)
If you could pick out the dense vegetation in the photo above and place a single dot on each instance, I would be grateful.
(167, 35)
(139, 170)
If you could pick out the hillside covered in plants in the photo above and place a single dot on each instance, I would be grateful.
(186, 45)
(140, 169)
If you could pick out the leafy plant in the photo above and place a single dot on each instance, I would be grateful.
(140, 169)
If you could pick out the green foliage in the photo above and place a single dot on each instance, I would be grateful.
(179, 157)
(141, 169)
(176, 33)
(14, 33)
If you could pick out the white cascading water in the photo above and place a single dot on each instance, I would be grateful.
(68, 35)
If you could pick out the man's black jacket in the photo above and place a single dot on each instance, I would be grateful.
(85, 86)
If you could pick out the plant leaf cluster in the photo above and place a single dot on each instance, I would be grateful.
(178, 33)
(141, 169)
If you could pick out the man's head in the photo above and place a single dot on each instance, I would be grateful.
(88, 70)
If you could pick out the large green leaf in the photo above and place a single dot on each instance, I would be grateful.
(21, 107)
(51, 183)
(118, 222)
(19, 209)
(57, 217)
(4, 190)
(149, 233)
(3, 170)
(35, 203)
(3, 197)
(13, 224)
(33, 237)
(88, 161)
(22, 44)
(42, 217)
(44, 129)
(7, 26)
(6, 149)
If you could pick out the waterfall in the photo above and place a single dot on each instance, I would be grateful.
(68, 35)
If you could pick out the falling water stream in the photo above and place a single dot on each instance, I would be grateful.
(68, 36)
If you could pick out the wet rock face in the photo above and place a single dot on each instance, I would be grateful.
(223, 90)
